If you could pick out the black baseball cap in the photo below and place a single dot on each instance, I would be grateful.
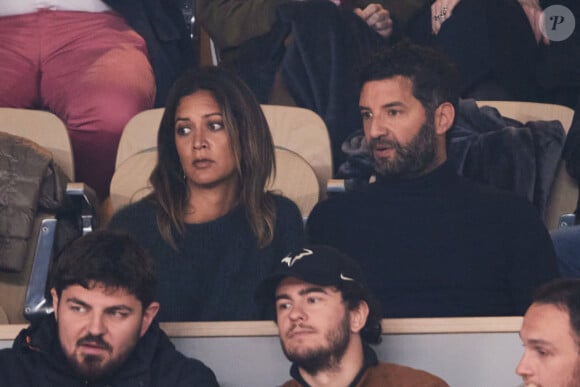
(317, 264)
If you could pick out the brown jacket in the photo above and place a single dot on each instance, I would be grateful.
(391, 375)
(375, 374)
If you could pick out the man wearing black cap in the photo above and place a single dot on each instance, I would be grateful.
(327, 317)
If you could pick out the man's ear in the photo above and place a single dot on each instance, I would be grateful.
(148, 315)
(444, 116)
(358, 317)
(54, 302)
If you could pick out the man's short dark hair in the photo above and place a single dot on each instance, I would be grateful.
(111, 258)
(353, 294)
(564, 294)
(435, 79)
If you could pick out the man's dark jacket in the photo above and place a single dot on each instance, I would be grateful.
(36, 360)
(161, 24)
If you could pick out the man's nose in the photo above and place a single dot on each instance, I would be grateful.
(96, 325)
(523, 368)
(375, 128)
(297, 313)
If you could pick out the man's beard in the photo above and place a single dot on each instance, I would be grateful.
(575, 379)
(409, 160)
(322, 358)
(94, 367)
(572, 381)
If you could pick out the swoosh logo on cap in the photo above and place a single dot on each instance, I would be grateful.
(289, 260)
(345, 278)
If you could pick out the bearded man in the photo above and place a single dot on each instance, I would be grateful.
(102, 331)
(432, 243)
(327, 316)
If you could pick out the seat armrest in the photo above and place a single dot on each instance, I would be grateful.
(84, 200)
(35, 302)
(335, 186)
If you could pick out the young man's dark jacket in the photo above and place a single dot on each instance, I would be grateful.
(36, 360)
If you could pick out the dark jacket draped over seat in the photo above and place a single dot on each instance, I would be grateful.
(316, 46)
(30, 182)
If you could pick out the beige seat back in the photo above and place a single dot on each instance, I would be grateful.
(3, 316)
(45, 129)
(130, 181)
(302, 131)
(294, 179)
(299, 130)
(140, 134)
(564, 193)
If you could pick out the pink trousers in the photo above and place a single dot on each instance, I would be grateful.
(90, 69)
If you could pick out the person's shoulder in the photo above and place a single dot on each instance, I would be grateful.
(285, 207)
(12, 367)
(133, 213)
(6, 354)
(146, 203)
(13, 362)
(491, 196)
(16, 362)
(402, 376)
(340, 204)
(292, 383)
(173, 367)
(476, 187)
(194, 372)
(282, 202)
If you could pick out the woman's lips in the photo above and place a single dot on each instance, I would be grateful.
(202, 163)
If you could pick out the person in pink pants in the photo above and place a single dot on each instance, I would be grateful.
(88, 67)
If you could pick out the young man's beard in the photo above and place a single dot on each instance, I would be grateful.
(324, 358)
(410, 160)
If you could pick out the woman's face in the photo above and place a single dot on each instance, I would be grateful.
(203, 143)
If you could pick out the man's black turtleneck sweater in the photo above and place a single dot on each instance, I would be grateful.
(440, 245)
